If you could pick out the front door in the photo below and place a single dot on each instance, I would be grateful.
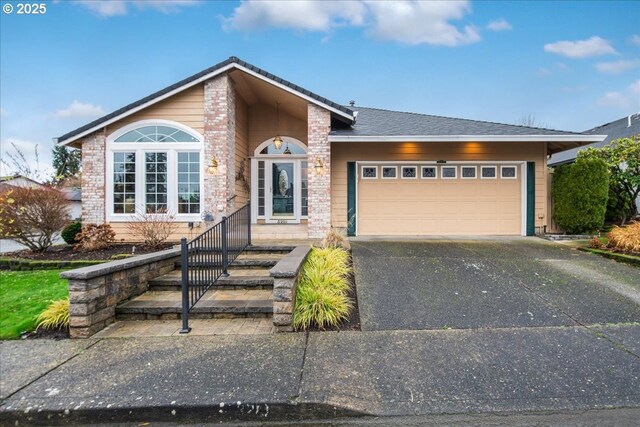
(283, 194)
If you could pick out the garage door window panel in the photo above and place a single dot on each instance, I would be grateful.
(468, 172)
(509, 172)
(429, 172)
(449, 172)
(369, 172)
(488, 172)
(389, 172)
(409, 172)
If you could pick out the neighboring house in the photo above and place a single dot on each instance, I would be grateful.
(8, 182)
(74, 196)
(622, 128)
(204, 147)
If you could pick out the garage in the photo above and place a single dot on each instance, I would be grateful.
(465, 198)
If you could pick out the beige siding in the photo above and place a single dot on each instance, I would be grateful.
(182, 230)
(343, 152)
(186, 107)
(264, 125)
(242, 153)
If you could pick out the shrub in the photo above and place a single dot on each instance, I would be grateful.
(70, 232)
(33, 216)
(152, 228)
(94, 237)
(336, 238)
(56, 316)
(580, 192)
(322, 295)
(595, 243)
(625, 238)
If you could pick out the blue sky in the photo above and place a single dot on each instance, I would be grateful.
(572, 65)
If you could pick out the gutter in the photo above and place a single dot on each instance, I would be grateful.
(468, 138)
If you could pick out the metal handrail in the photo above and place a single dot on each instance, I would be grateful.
(206, 258)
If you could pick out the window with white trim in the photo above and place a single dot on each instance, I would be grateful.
(468, 172)
(156, 167)
(508, 172)
(389, 172)
(409, 172)
(449, 172)
(369, 172)
(488, 172)
(429, 172)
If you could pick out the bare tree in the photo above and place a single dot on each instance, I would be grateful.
(16, 161)
(530, 120)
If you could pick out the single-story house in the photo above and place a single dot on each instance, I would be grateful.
(74, 196)
(625, 127)
(235, 134)
(11, 181)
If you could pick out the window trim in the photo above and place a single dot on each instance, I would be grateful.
(475, 172)
(495, 170)
(402, 168)
(515, 169)
(423, 167)
(140, 148)
(455, 168)
(368, 177)
(382, 168)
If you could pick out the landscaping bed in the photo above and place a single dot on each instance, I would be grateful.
(67, 253)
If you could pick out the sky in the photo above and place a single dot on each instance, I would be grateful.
(570, 65)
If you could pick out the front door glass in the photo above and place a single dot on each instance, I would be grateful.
(282, 189)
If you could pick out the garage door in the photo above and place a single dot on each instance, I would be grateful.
(434, 199)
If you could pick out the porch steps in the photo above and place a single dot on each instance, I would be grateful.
(246, 293)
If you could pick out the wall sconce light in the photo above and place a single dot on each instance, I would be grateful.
(213, 166)
(319, 166)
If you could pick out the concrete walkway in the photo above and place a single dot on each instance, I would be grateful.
(320, 375)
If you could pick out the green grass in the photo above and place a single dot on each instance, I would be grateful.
(24, 295)
(322, 294)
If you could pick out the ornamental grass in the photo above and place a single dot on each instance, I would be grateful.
(625, 238)
(56, 316)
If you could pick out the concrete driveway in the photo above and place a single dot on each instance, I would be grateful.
(489, 283)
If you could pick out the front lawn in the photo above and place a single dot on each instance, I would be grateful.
(24, 295)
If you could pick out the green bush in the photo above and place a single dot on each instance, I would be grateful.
(70, 231)
(322, 295)
(580, 192)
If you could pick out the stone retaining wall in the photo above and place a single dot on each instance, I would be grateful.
(95, 291)
(285, 280)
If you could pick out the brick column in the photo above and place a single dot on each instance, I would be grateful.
(93, 180)
(219, 141)
(319, 125)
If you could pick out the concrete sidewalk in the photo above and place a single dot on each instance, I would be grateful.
(320, 375)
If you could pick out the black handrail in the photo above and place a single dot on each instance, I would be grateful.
(206, 258)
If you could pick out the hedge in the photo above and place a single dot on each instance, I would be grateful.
(19, 264)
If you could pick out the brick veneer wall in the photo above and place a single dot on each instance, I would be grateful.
(219, 141)
(95, 291)
(93, 179)
(319, 125)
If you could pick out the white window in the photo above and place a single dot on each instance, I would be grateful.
(155, 167)
(369, 172)
(508, 172)
(429, 172)
(488, 172)
(449, 172)
(468, 172)
(409, 172)
(389, 172)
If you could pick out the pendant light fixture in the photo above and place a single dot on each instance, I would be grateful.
(277, 141)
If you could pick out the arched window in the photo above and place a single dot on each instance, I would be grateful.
(154, 167)
(290, 146)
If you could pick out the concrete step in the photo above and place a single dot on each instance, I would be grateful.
(252, 278)
(244, 260)
(214, 304)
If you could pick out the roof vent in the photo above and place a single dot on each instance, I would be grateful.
(352, 103)
(631, 116)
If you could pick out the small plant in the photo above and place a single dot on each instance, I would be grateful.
(322, 296)
(56, 316)
(152, 228)
(595, 243)
(625, 238)
(94, 237)
(33, 216)
(336, 238)
(70, 232)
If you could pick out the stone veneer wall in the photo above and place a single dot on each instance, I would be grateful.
(319, 125)
(95, 291)
(219, 141)
(93, 179)
(285, 282)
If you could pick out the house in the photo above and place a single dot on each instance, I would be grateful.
(12, 181)
(235, 134)
(622, 128)
(74, 196)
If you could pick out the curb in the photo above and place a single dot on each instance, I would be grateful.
(627, 259)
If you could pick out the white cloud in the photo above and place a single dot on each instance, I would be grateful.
(79, 109)
(594, 46)
(404, 21)
(499, 25)
(635, 39)
(616, 67)
(109, 8)
(622, 100)
(634, 87)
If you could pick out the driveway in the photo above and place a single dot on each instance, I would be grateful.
(504, 282)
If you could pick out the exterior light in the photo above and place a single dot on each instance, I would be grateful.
(277, 142)
(213, 166)
(319, 166)
(286, 150)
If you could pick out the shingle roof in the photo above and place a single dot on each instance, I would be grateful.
(614, 130)
(213, 69)
(378, 122)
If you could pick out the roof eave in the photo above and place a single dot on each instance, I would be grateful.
(467, 138)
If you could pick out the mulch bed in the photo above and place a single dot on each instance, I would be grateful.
(67, 253)
(50, 334)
